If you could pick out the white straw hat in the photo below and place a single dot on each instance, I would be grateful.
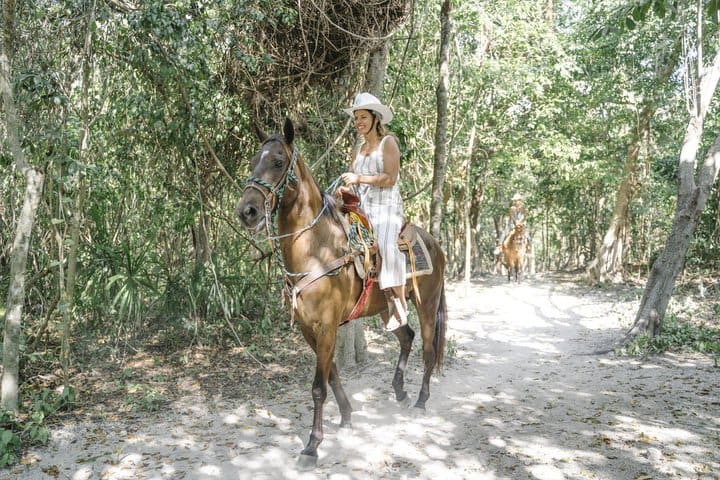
(367, 101)
(517, 196)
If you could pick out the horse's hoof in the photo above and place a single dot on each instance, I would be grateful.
(417, 412)
(307, 462)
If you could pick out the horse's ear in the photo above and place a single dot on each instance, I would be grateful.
(262, 136)
(289, 131)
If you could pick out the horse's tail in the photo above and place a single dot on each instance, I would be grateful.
(440, 340)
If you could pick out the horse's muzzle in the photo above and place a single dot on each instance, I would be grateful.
(250, 215)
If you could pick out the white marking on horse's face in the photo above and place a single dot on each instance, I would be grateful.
(265, 153)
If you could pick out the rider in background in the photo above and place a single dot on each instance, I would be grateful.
(516, 216)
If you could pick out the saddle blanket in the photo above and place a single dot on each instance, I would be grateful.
(420, 257)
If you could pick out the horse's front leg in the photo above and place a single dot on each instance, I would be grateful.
(309, 455)
(324, 347)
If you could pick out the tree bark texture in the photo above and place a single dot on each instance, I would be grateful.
(68, 292)
(441, 93)
(201, 239)
(608, 264)
(375, 73)
(18, 255)
(468, 227)
(692, 196)
(466, 211)
(16, 293)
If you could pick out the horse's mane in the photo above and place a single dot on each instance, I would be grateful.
(331, 211)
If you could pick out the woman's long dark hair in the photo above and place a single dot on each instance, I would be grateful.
(379, 127)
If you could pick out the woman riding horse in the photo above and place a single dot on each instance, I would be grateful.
(283, 200)
(375, 172)
(516, 216)
(514, 248)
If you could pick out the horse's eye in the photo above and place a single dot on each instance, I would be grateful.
(279, 162)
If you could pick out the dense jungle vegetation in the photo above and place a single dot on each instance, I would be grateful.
(139, 116)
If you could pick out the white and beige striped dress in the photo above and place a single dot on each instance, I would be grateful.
(384, 209)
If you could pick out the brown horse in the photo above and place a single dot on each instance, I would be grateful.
(283, 199)
(514, 248)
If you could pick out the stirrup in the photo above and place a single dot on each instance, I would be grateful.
(392, 324)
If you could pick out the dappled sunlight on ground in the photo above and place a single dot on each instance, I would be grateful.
(523, 396)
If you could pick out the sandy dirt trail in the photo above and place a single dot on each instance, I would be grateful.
(522, 396)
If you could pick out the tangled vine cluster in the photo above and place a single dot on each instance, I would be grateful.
(292, 46)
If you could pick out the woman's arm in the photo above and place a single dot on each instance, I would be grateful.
(342, 188)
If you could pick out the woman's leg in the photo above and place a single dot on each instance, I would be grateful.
(396, 298)
(400, 304)
(399, 292)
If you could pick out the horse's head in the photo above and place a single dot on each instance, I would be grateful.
(273, 171)
(519, 229)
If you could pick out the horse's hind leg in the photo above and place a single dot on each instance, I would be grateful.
(429, 359)
(405, 336)
(340, 397)
(432, 315)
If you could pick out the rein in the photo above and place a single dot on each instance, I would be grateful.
(273, 195)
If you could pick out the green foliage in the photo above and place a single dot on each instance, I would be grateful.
(133, 285)
(675, 336)
(451, 348)
(210, 293)
(143, 398)
(30, 427)
(704, 251)
(553, 107)
(631, 15)
(10, 441)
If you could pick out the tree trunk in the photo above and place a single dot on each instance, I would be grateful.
(68, 294)
(16, 293)
(610, 258)
(376, 69)
(201, 240)
(67, 302)
(441, 93)
(467, 226)
(18, 256)
(692, 196)
(608, 264)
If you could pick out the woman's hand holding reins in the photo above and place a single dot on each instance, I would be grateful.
(351, 178)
